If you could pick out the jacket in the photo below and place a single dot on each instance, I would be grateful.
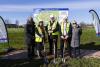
(29, 32)
(76, 33)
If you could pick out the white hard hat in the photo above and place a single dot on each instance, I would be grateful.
(65, 17)
(74, 21)
(51, 16)
(40, 20)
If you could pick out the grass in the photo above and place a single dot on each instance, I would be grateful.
(89, 39)
(17, 37)
(17, 40)
(91, 62)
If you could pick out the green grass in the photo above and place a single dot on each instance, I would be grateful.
(17, 37)
(89, 36)
(17, 40)
(89, 39)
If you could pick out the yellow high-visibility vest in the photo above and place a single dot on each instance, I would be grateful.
(67, 27)
(53, 27)
(37, 37)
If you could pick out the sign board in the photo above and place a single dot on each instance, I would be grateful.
(44, 14)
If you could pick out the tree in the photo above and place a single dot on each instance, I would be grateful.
(17, 23)
(83, 24)
(7, 21)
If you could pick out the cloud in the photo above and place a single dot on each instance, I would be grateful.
(77, 5)
(16, 8)
(70, 5)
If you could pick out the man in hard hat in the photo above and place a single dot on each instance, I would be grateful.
(53, 31)
(65, 33)
(39, 38)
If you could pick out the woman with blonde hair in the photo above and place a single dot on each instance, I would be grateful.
(75, 42)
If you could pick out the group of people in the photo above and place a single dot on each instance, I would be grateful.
(67, 33)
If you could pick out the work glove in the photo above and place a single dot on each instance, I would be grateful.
(50, 31)
(62, 37)
(66, 37)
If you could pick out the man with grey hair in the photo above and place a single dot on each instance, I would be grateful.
(65, 33)
(53, 31)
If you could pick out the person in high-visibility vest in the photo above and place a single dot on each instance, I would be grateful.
(30, 37)
(53, 31)
(39, 37)
(65, 33)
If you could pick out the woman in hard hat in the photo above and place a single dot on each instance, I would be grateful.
(39, 38)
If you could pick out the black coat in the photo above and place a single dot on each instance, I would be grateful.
(30, 34)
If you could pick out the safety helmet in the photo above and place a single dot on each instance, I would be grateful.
(74, 22)
(51, 16)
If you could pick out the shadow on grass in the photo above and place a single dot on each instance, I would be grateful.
(90, 46)
(21, 63)
(19, 59)
(89, 49)
(39, 62)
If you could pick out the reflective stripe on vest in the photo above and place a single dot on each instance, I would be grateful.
(37, 37)
(53, 27)
(67, 27)
(55, 33)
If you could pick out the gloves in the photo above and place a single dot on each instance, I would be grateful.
(62, 37)
(66, 37)
(50, 31)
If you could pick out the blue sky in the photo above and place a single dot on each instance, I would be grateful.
(21, 9)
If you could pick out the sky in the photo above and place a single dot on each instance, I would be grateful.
(21, 9)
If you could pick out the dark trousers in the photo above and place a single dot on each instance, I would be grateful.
(76, 52)
(30, 50)
(62, 46)
(51, 44)
(40, 47)
(69, 45)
